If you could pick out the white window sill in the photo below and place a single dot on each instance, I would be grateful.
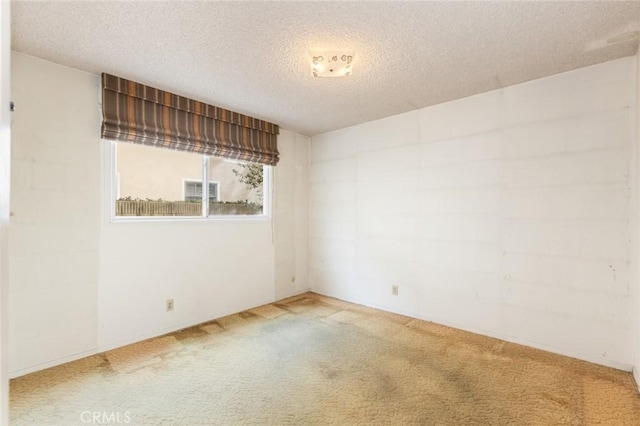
(193, 219)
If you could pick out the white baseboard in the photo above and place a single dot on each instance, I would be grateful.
(512, 339)
(114, 345)
(59, 361)
(292, 294)
(636, 375)
(107, 347)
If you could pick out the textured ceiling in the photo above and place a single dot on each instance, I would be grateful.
(251, 57)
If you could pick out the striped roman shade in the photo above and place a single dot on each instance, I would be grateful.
(133, 112)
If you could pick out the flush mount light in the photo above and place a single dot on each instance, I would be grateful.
(332, 63)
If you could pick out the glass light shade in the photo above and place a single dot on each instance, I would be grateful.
(331, 63)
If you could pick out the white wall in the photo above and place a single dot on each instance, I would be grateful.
(5, 176)
(80, 284)
(54, 232)
(635, 215)
(210, 269)
(290, 213)
(506, 213)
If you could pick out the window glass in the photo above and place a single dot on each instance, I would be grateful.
(240, 187)
(152, 181)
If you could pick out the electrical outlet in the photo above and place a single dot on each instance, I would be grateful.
(394, 290)
(169, 305)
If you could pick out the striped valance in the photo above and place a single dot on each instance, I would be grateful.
(133, 112)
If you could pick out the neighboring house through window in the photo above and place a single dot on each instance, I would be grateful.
(193, 191)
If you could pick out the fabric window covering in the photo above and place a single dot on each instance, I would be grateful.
(133, 112)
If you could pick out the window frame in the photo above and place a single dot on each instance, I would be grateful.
(113, 188)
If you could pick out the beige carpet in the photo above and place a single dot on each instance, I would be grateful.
(317, 360)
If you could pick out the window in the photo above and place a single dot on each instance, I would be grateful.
(193, 191)
(157, 182)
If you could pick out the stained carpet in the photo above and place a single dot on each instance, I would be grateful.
(316, 360)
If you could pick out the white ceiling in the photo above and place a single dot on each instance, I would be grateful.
(251, 57)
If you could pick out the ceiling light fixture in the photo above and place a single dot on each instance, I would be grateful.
(332, 63)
